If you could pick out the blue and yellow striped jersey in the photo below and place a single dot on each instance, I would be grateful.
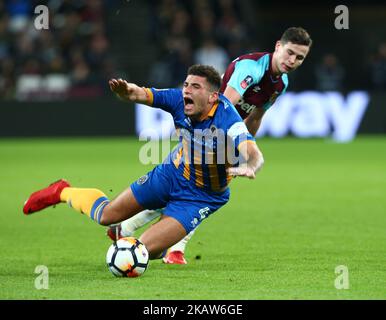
(206, 148)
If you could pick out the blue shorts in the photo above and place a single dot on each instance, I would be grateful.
(180, 198)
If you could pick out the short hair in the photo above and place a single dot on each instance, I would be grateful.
(209, 73)
(296, 35)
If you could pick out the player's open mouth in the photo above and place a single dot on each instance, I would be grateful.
(188, 102)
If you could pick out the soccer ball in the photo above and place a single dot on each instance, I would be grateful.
(128, 257)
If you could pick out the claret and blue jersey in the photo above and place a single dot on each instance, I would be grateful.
(252, 77)
(205, 148)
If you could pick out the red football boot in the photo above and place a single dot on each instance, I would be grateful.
(114, 232)
(45, 197)
(174, 257)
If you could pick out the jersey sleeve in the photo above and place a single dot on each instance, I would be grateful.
(165, 99)
(248, 72)
(239, 134)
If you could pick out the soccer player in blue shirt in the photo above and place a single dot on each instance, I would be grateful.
(252, 82)
(192, 182)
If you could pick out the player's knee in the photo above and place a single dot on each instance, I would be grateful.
(155, 256)
(104, 221)
(106, 217)
(154, 253)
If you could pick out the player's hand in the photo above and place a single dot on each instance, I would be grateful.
(121, 88)
(242, 172)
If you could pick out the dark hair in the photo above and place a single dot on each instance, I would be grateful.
(209, 73)
(296, 35)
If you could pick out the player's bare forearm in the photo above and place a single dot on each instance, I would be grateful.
(232, 95)
(254, 161)
(129, 91)
(253, 125)
(253, 121)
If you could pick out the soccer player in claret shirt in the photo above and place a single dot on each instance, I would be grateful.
(252, 82)
(192, 182)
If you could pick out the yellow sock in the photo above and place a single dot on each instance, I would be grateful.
(88, 201)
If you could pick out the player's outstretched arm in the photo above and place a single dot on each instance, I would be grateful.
(253, 121)
(254, 163)
(232, 95)
(129, 91)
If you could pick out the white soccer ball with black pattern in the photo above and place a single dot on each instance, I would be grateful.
(128, 257)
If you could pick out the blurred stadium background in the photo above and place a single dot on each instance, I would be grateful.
(316, 205)
(49, 74)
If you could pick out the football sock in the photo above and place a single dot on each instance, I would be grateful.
(87, 201)
(140, 219)
(180, 246)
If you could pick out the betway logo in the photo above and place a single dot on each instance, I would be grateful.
(248, 108)
(316, 114)
(304, 114)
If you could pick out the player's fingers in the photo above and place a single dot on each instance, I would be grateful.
(230, 171)
(252, 175)
(122, 84)
(112, 87)
(235, 172)
(113, 83)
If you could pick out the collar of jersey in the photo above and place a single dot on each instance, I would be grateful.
(213, 110)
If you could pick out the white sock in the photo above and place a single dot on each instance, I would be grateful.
(180, 246)
(140, 219)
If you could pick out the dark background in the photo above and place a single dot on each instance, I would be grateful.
(153, 42)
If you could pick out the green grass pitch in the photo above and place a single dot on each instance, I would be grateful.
(315, 205)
